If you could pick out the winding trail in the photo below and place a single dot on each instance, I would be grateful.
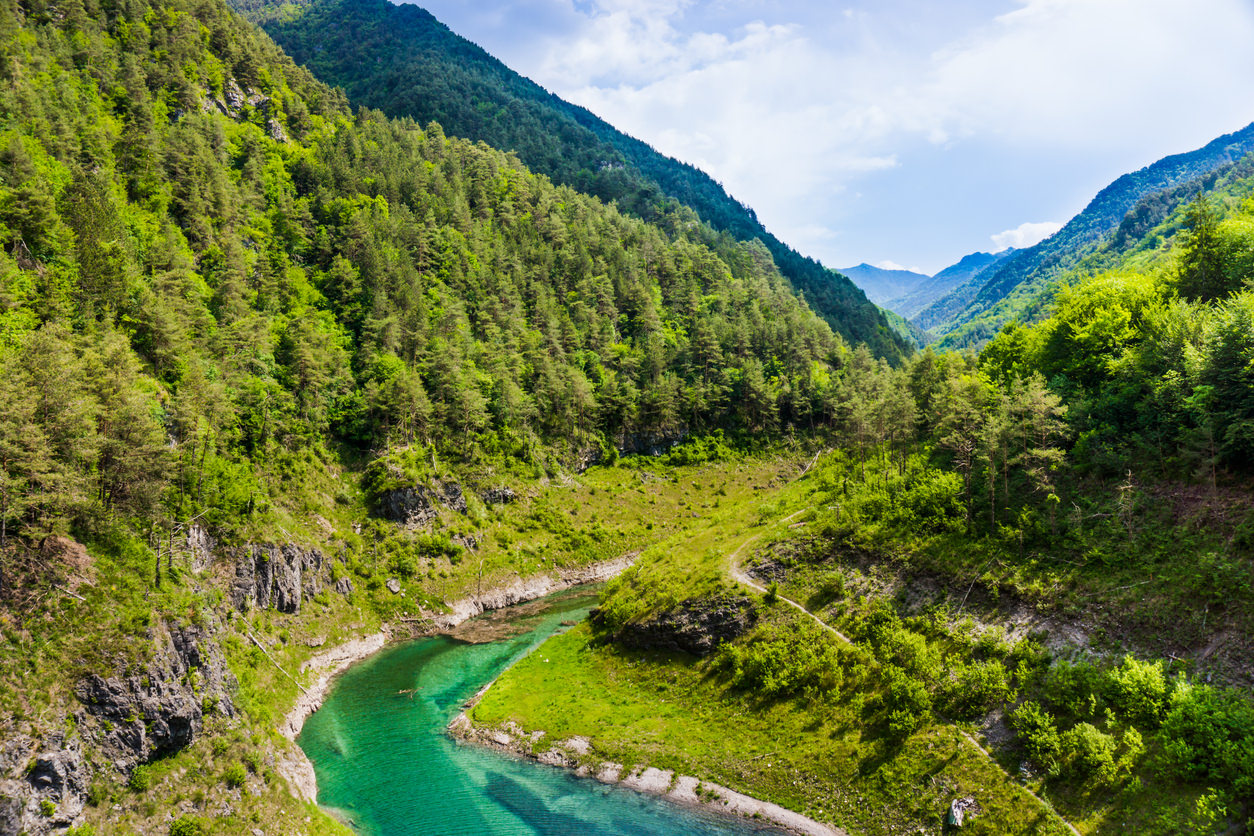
(743, 577)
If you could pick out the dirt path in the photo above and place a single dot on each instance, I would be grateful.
(742, 577)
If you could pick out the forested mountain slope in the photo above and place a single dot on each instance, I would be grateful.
(274, 372)
(401, 60)
(973, 312)
(239, 323)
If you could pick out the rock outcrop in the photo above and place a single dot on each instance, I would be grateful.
(42, 790)
(697, 626)
(161, 710)
(199, 547)
(416, 505)
(499, 496)
(278, 577)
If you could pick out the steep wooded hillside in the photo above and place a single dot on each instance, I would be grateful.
(400, 59)
(973, 312)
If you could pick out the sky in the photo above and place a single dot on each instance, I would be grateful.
(901, 133)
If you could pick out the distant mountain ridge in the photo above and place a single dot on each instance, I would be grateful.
(926, 293)
(905, 292)
(401, 60)
(977, 308)
(882, 284)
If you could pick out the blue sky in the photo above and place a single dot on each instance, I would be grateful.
(895, 132)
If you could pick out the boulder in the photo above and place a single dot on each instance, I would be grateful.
(499, 496)
(697, 626)
(394, 586)
(960, 809)
(344, 586)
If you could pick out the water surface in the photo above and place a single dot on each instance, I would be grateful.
(385, 765)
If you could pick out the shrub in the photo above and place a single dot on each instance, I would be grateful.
(785, 664)
(1138, 691)
(832, 588)
(976, 688)
(140, 780)
(188, 826)
(97, 793)
(235, 775)
(47, 808)
(1089, 753)
(1076, 689)
(906, 701)
(252, 759)
(1039, 735)
(1210, 736)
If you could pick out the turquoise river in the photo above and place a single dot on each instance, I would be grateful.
(386, 766)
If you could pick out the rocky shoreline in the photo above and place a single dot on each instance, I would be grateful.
(574, 755)
(296, 768)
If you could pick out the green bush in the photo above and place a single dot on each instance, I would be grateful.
(906, 702)
(1209, 735)
(252, 759)
(235, 775)
(140, 780)
(47, 808)
(189, 826)
(977, 688)
(1138, 691)
(1089, 753)
(1076, 689)
(785, 663)
(1039, 736)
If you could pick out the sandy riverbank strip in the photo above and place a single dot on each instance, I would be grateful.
(680, 789)
(296, 768)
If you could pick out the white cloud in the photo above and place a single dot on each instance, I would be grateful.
(796, 107)
(1024, 235)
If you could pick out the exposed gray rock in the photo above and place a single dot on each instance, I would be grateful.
(344, 586)
(162, 710)
(199, 547)
(499, 496)
(451, 496)
(60, 776)
(411, 506)
(649, 443)
(415, 505)
(960, 809)
(276, 130)
(233, 95)
(394, 586)
(697, 626)
(11, 809)
(277, 577)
